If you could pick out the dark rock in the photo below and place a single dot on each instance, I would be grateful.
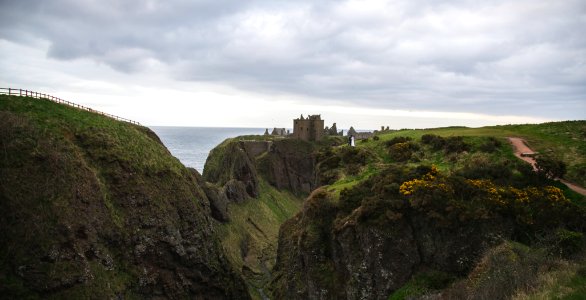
(290, 165)
(230, 161)
(353, 260)
(235, 191)
(216, 197)
(95, 219)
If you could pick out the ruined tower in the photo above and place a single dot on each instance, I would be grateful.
(308, 129)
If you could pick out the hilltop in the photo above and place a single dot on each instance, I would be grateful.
(97, 208)
(414, 212)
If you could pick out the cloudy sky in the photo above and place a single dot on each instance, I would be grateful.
(406, 63)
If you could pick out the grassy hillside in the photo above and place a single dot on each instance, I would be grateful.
(444, 202)
(91, 207)
(250, 238)
(564, 140)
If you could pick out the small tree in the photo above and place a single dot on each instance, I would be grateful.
(550, 167)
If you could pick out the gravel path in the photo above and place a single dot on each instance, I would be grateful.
(520, 147)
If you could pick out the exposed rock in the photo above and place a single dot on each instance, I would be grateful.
(235, 191)
(102, 212)
(229, 161)
(290, 165)
(362, 260)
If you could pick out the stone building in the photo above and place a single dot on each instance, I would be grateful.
(333, 131)
(280, 131)
(359, 135)
(308, 129)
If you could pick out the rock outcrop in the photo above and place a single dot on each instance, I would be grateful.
(291, 165)
(95, 208)
(230, 166)
(318, 259)
(287, 164)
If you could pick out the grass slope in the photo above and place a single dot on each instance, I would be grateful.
(250, 238)
(88, 206)
(564, 140)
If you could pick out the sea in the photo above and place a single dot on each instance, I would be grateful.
(192, 145)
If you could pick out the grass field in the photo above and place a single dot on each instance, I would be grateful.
(563, 140)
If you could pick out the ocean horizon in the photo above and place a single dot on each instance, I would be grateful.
(192, 145)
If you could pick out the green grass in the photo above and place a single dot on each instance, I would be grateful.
(565, 140)
(347, 182)
(258, 221)
(130, 144)
(421, 284)
(567, 280)
(63, 168)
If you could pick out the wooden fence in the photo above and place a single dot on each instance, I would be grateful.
(27, 93)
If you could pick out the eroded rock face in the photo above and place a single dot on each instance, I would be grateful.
(230, 162)
(318, 259)
(286, 164)
(290, 165)
(83, 217)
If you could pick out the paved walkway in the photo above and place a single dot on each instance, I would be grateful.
(520, 146)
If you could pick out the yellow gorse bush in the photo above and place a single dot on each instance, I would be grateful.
(499, 195)
(427, 182)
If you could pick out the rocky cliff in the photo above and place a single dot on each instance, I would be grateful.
(95, 208)
(287, 164)
(373, 230)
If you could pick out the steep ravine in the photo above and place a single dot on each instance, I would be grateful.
(257, 185)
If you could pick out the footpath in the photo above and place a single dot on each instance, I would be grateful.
(522, 151)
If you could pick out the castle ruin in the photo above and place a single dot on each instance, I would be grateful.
(308, 129)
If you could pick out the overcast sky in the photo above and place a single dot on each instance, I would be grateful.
(410, 63)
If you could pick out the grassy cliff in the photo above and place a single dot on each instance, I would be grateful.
(415, 212)
(96, 208)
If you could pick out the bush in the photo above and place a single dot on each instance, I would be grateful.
(376, 138)
(482, 166)
(396, 140)
(354, 156)
(455, 144)
(350, 199)
(401, 151)
(550, 167)
(568, 242)
(490, 145)
(435, 141)
(352, 169)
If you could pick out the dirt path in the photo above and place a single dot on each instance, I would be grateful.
(520, 147)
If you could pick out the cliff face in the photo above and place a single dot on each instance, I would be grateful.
(94, 208)
(291, 165)
(319, 258)
(287, 164)
(371, 232)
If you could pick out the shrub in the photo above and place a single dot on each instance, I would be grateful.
(568, 242)
(435, 141)
(550, 167)
(482, 166)
(376, 138)
(455, 144)
(490, 145)
(401, 151)
(396, 140)
(354, 155)
(350, 199)
(352, 169)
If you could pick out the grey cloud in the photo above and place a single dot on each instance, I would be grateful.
(496, 57)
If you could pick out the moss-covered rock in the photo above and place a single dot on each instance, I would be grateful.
(96, 208)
